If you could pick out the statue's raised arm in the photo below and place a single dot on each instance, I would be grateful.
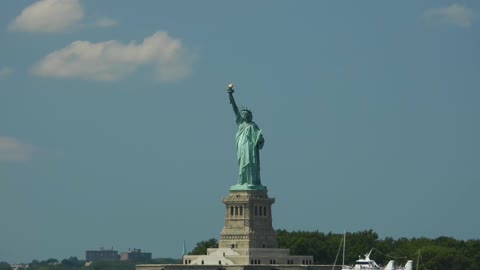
(238, 116)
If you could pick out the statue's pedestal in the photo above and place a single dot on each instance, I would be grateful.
(248, 220)
(248, 237)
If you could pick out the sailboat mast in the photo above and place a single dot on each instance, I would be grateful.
(343, 262)
(418, 259)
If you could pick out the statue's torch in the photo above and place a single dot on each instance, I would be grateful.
(230, 91)
(230, 88)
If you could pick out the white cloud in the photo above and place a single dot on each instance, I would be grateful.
(48, 16)
(13, 150)
(5, 72)
(454, 14)
(105, 22)
(112, 60)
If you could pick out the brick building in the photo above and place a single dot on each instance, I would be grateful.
(136, 255)
(101, 255)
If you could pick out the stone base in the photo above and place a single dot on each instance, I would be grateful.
(247, 256)
(248, 220)
(235, 267)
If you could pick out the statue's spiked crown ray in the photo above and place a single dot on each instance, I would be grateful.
(245, 109)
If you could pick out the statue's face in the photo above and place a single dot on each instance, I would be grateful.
(247, 116)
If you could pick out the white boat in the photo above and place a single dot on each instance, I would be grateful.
(367, 263)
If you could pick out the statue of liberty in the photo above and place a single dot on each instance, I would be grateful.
(249, 141)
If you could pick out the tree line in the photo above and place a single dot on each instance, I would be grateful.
(434, 254)
(431, 253)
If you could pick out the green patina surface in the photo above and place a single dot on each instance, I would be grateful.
(249, 140)
(239, 187)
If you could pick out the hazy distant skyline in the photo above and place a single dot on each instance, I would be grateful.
(117, 132)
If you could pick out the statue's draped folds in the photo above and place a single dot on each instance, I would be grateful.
(249, 138)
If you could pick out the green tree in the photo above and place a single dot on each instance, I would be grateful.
(72, 262)
(201, 247)
(51, 261)
(5, 266)
(444, 257)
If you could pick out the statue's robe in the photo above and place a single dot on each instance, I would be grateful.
(249, 138)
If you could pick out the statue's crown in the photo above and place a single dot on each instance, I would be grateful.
(245, 109)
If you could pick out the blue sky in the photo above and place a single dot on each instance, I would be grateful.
(116, 129)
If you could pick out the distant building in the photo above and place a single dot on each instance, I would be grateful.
(136, 255)
(101, 255)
